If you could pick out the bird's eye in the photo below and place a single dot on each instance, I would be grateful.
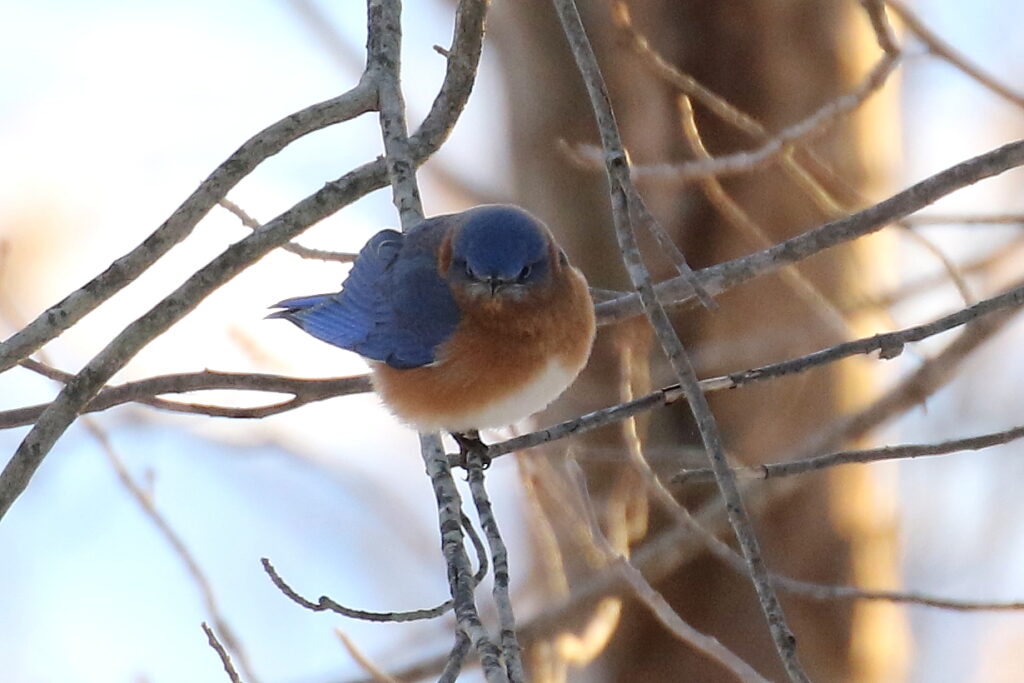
(469, 272)
(524, 274)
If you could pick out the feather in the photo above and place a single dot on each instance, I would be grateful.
(393, 307)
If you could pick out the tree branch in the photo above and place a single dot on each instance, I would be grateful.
(944, 51)
(62, 315)
(447, 106)
(145, 391)
(820, 462)
(728, 274)
(626, 203)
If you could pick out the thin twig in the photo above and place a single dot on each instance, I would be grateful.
(460, 582)
(820, 462)
(145, 503)
(453, 664)
(303, 391)
(384, 57)
(271, 140)
(297, 249)
(728, 274)
(320, 26)
(733, 213)
(655, 602)
(326, 604)
(499, 555)
(953, 273)
(447, 107)
(800, 132)
(943, 50)
(618, 171)
(225, 658)
(931, 218)
(875, 10)
(375, 672)
(990, 262)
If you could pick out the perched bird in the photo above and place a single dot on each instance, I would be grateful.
(469, 320)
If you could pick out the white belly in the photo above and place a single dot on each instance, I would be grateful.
(544, 388)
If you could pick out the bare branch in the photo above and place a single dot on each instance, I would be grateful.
(944, 51)
(145, 391)
(270, 141)
(880, 25)
(225, 658)
(889, 344)
(453, 665)
(326, 604)
(375, 672)
(499, 554)
(622, 194)
(787, 469)
(728, 274)
(297, 249)
(460, 581)
(448, 104)
(145, 503)
(932, 375)
(742, 162)
(384, 49)
(655, 602)
(965, 219)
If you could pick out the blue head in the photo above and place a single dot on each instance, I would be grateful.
(500, 251)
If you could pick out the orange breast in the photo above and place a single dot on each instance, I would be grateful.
(505, 361)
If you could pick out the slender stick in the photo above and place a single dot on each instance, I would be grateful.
(460, 578)
(820, 462)
(499, 554)
(58, 416)
(622, 193)
(728, 274)
(384, 55)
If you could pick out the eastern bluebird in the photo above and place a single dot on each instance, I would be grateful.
(469, 320)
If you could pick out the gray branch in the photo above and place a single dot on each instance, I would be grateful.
(728, 274)
(58, 416)
(62, 315)
(622, 192)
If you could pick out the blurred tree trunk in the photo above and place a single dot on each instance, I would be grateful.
(778, 62)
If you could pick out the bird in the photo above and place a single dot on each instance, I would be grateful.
(469, 321)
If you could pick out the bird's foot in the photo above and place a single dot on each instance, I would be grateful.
(472, 451)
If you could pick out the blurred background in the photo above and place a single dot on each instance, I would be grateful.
(112, 112)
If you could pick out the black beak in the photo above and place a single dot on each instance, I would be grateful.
(495, 284)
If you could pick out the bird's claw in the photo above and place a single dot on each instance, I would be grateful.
(472, 451)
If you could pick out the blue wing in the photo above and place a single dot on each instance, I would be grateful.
(393, 307)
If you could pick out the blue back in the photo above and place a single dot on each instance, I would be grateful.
(393, 307)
